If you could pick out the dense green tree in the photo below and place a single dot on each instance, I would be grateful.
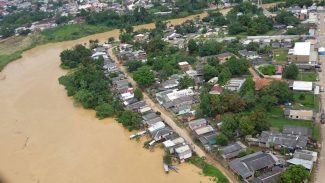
(295, 174)
(222, 139)
(209, 47)
(192, 46)
(134, 65)
(246, 127)
(130, 120)
(248, 86)
(291, 72)
(278, 89)
(138, 94)
(252, 46)
(237, 66)
(229, 126)
(72, 58)
(300, 3)
(259, 118)
(186, 82)
(104, 110)
(224, 76)
(287, 18)
(144, 76)
(209, 72)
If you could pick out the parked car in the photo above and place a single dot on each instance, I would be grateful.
(321, 89)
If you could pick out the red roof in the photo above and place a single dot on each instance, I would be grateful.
(279, 69)
(216, 89)
(261, 82)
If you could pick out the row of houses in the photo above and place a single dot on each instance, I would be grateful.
(268, 165)
(151, 120)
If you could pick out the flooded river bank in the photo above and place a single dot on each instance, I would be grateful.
(45, 138)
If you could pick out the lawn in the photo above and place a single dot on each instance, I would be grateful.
(306, 100)
(280, 56)
(71, 32)
(277, 121)
(307, 76)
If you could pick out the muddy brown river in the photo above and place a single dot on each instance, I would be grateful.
(45, 138)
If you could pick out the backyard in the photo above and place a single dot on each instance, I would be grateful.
(277, 121)
(307, 76)
(306, 100)
(280, 56)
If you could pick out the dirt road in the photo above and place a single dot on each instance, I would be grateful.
(320, 176)
(165, 115)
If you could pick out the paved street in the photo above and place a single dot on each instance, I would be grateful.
(320, 172)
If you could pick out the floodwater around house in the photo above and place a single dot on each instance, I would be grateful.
(45, 138)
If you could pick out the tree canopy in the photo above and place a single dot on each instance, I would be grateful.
(144, 76)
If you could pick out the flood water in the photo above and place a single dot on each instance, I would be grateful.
(45, 138)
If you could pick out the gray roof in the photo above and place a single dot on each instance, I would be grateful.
(137, 105)
(232, 150)
(149, 116)
(287, 140)
(162, 132)
(297, 130)
(269, 177)
(247, 165)
(197, 122)
(153, 120)
(121, 83)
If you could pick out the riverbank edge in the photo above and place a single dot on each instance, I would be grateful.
(18, 54)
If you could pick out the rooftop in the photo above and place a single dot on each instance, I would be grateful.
(302, 48)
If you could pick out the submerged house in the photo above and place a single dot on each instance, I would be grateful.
(184, 152)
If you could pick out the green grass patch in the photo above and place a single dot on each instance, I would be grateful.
(307, 76)
(280, 56)
(306, 100)
(277, 120)
(71, 32)
(316, 131)
(5, 59)
(209, 170)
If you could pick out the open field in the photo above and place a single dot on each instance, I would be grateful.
(71, 32)
(12, 48)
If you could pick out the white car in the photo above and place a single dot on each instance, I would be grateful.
(322, 89)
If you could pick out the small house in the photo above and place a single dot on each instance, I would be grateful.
(270, 176)
(232, 150)
(203, 130)
(155, 127)
(302, 86)
(198, 123)
(297, 130)
(299, 114)
(247, 166)
(161, 133)
(223, 57)
(184, 66)
(183, 152)
(234, 84)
